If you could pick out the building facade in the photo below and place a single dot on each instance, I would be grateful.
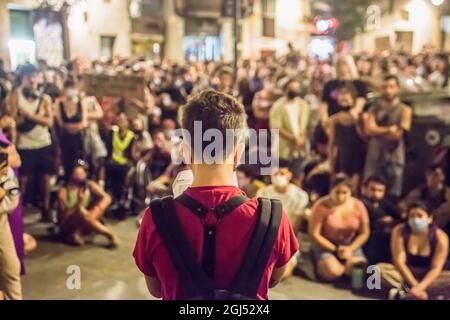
(174, 29)
(403, 24)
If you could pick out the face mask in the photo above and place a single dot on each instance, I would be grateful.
(292, 94)
(280, 181)
(182, 181)
(167, 101)
(418, 225)
(29, 93)
(178, 83)
(73, 95)
(139, 132)
(169, 134)
(79, 182)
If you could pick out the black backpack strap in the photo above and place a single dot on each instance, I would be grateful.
(181, 254)
(221, 210)
(229, 205)
(210, 231)
(248, 279)
(193, 205)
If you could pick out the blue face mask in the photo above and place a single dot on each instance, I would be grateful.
(418, 225)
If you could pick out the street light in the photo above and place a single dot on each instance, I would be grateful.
(437, 3)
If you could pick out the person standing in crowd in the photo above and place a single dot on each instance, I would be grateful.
(419, 252)
(346, 145)
(34, 117)
(3, 74)
(81, 205)
(170, 97)
(386, 123)
(383, 216)
(212, 185)
(10, 283)
(262, 103)
(121, 146)
(291, 115)
(94, 147)
(72, 118)
(225, 85)
(434, 193)
(338, 227)
(345, 72)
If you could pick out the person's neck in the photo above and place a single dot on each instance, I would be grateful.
(392, 102)
(345, 78)
(123, 132)
(281, 189)
(212, 175)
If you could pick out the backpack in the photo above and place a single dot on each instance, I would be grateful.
(195, 278)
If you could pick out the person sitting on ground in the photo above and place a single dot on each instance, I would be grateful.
(293, 199)
(338, 227)
(81, 205)
(419, 251)
(383, 215)
(434, 193)
(247, 180)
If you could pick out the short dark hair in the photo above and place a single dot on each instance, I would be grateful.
(341, 179)
(26, 69)
(284, 163)
(225, 71)
(376, 179)
(249, 170)
(419, 205)
(69, 83)
(433, 167)
(215, 110)
(392, 77)
(348, 87)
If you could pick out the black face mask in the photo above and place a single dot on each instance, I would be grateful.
(291, 94)
(29, 93)
(139, 133)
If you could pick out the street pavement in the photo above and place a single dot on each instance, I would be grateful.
(111, 274)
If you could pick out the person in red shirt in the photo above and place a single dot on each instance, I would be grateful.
(213, 184)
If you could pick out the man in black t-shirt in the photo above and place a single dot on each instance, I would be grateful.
(383, 216)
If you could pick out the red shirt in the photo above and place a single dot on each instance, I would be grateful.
(234, 232)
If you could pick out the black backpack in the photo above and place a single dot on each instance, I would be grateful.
(195, 278)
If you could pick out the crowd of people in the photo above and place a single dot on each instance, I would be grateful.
(340, 175)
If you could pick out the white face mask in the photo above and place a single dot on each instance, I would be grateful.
(184, 180)
(280, 181)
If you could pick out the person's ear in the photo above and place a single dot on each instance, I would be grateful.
(186, 153)
(289, 175)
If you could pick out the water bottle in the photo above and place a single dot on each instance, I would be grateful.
(358, 276)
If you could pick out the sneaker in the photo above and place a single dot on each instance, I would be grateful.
(396, 294)
(48, 217)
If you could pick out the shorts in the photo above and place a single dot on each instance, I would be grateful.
(37, 161)
(319, 253)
